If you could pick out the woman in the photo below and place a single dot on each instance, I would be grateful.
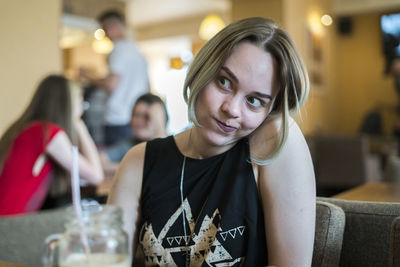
(38, 146)
(238, 187)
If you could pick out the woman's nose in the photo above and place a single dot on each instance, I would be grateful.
(231, 107)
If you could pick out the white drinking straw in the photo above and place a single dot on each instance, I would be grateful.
(76, 199)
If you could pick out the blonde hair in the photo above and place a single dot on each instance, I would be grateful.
(291, 74)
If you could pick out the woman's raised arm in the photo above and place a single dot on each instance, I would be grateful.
(60, 149)
(287, 189)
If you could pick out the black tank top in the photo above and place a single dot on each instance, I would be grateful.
(223, 213)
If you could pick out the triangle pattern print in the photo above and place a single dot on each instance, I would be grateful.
(203, 246)
(232, 232)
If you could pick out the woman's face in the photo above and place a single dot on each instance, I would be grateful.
(239, 99)
(113, 28)
(148, 120)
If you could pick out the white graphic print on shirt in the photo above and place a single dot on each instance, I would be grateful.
(203, 246)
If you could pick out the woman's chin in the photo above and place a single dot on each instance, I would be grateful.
(219, 140)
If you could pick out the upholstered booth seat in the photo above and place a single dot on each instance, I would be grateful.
(367, 233)
(22, 237)
(395, 243)
(329, 228)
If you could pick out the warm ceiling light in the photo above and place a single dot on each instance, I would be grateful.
(176, 63)
(99, 34)
(103, 46)
(314, 23)
(210, 26)
(326, 20)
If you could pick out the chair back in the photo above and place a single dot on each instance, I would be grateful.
(22, 236)
(329, 228)
(340, 161)
(366, 239)
(395, 243)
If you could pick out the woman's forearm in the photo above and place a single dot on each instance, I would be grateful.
(89, 151)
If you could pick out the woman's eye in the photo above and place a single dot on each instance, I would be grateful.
(254, 102)
(225, 83)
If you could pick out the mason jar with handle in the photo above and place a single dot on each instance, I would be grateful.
(107, 243)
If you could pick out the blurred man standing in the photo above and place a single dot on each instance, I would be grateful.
(126, 81)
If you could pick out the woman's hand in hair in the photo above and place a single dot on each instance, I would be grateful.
(88, 149)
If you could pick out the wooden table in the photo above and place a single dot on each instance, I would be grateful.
(104, 188)
(9, 264)
(374, 191)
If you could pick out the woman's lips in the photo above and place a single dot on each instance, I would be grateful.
(225, 127)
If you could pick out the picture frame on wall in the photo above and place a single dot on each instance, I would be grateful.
(315, 60)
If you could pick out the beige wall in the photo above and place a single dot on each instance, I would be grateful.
(353, 80)
(28, 51)
(301, 17)
(262, 8)
(360, 83)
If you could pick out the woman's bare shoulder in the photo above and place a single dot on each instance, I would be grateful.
(136, 154)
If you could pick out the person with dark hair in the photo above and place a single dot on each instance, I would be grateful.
(126, 81)
(149, 117)
(238, 187)
(36, 150)
(111, 14)
(148, 121)
(392, 65)
(372, 123)
(390, 43)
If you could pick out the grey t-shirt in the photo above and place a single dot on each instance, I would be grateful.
(117, 151)
(126, 61)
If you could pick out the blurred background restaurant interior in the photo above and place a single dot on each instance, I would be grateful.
(341, 42)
